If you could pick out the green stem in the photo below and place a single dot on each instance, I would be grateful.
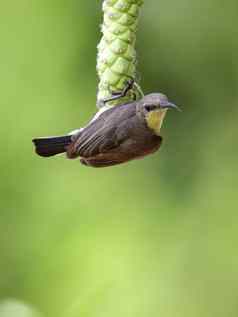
(116, 60)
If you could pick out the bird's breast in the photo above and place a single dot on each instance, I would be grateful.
(155, 119)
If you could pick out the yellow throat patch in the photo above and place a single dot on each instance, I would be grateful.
(155, 119)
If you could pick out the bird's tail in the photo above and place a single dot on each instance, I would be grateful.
(52, 145)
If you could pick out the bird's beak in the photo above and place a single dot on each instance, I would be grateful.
(170, 105)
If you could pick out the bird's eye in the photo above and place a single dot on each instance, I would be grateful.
(149, 108)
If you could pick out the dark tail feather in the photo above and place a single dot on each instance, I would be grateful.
(52, 145)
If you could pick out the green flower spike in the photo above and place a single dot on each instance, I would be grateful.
(116, 60)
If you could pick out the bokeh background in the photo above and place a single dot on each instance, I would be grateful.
(155, 237)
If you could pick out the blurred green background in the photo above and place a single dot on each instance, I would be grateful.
(155, 237)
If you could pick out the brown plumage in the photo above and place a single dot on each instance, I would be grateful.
(105, 141)
(117, 135)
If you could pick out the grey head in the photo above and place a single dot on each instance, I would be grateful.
(155, 101)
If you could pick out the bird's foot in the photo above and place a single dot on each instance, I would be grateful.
(115, 95)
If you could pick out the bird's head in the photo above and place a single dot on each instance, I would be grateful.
(154, 107)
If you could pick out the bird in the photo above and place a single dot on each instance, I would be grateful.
(115, 135)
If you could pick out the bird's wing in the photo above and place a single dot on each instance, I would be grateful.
(100, 135)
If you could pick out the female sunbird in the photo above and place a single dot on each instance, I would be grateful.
(114, 136)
